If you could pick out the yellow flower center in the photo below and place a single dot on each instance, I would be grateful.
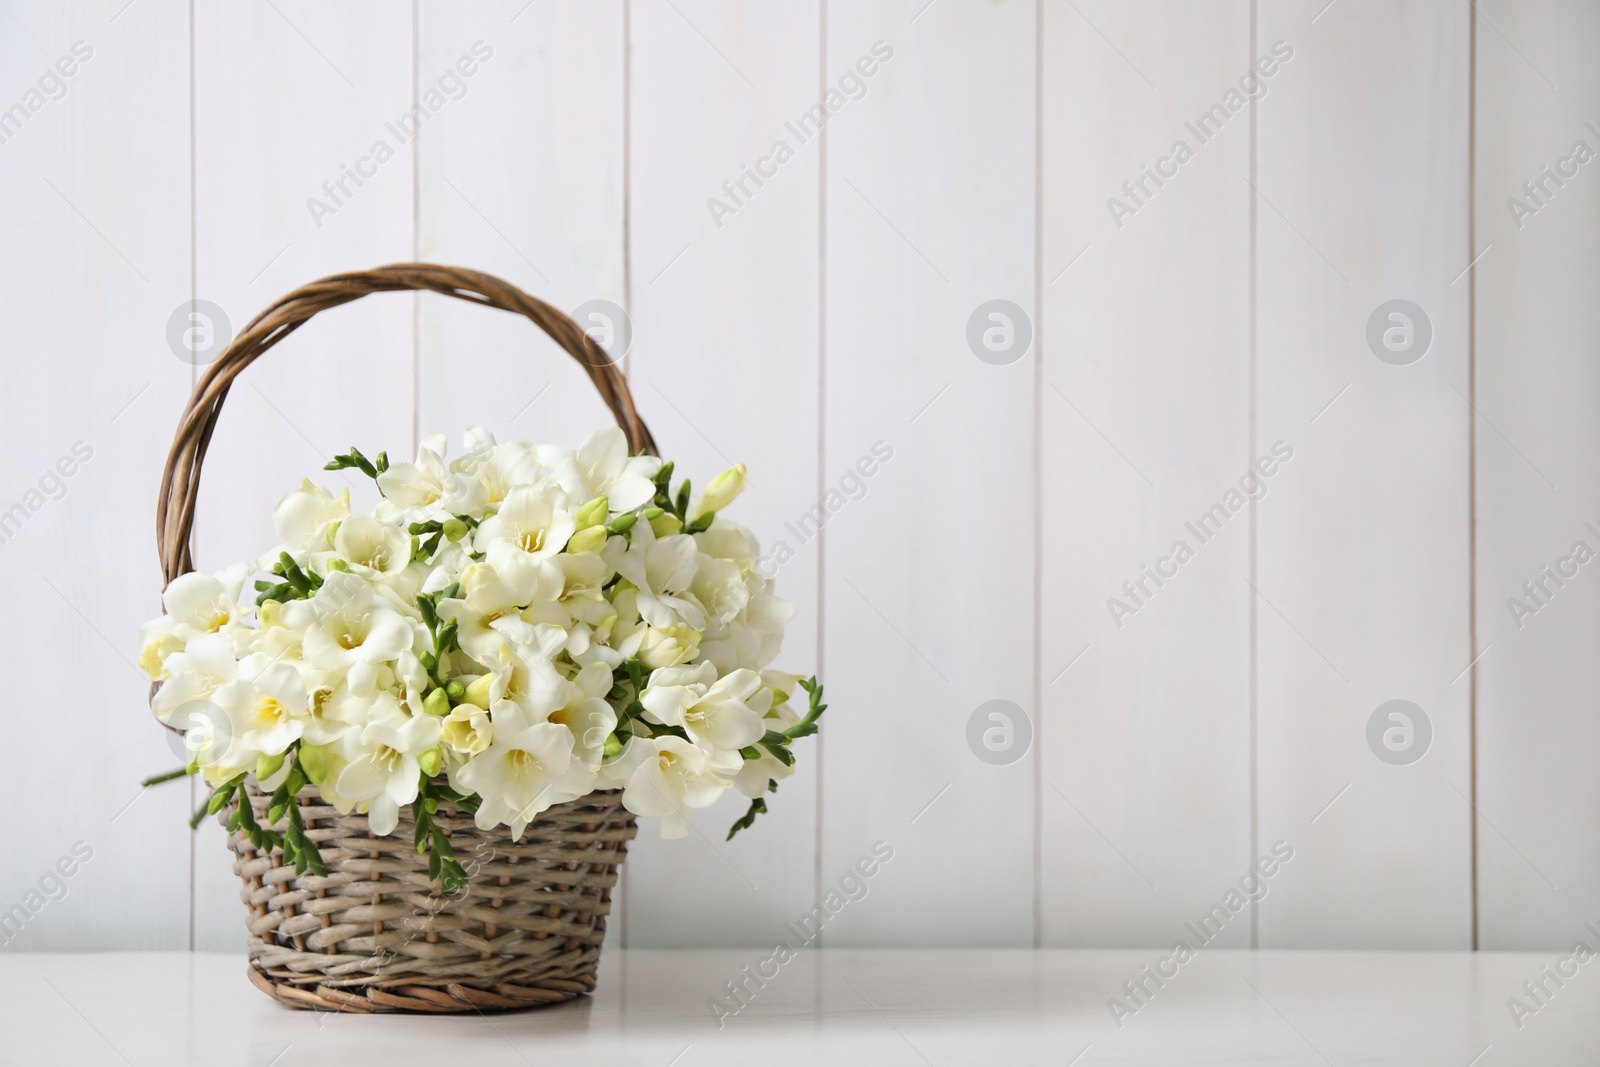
(531, 540)
(269, 712)
(666, 760)
(523, 761)
(216, 622)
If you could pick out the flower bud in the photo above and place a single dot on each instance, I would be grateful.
(613, 746)
(436, 703)
(623, 523)
(665, 525)
(454, 530)
(478, 692)
(337, 564)
(316, 761)
(431, 760)
(455, 689)
(267, 766)
(722, 491)
(593, 513)
(592, 539)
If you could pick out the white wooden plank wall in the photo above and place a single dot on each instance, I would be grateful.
(1539, 391)
(825, 317)
(1363, 575)
(1146, 400)
(94, 260)
(929, 576)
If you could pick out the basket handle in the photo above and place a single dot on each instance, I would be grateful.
(180, 481)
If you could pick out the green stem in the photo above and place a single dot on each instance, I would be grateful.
(157, 779)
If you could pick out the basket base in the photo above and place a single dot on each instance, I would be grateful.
(444, 999)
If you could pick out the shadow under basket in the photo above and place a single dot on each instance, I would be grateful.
(376, 934)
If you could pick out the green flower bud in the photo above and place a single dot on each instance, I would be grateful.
(454, 530)
(337, 564)
(613, 746)
(333, 528)
(478, 692)
(592, 539)
(316, 761)
(665, 525)
(623, 523)
(431, 760)
(652, 514)
(722, 491)
(436, 703)
(593, 513)
(455, 689)
(267, 766)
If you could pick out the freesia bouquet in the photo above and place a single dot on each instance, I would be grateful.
(505, 631)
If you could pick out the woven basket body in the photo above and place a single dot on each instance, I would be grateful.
(377, 935)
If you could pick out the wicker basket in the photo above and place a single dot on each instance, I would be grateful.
(375, 934)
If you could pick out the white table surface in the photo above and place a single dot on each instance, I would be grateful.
(835, 1007)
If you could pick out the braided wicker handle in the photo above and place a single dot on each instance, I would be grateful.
(180, 481)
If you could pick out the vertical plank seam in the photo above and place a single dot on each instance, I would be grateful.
(822, 427)
(627, 302)
(1038, 471)
(1472, 458)
(1254, 667)
(416, 238)
(194, 295)
(627, 172)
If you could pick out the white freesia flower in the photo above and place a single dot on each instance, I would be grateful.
(355, 630)
(583, 710)
(666, 778)
(522, 538)
(417, 486)
(663, 572)
(754, 636)
(204, 604)
(372, 549)
(526, 769)
(602, 467)
(267, 712)
(713, 711)
(655, 647)
(487, 600)
(383, 770)
(305, 514)
(206, 664)
(467, 730)
(494, 468)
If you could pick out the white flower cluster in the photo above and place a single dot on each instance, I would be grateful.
(508, 630)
